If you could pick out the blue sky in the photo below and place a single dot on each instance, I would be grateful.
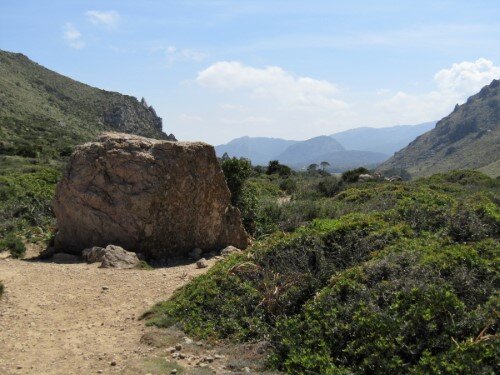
(216, 70)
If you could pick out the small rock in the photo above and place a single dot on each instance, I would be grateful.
(105, 287)
(202, 263)
(247, 369)
(229, 250)
(209, 359)
(178, 347)
(113, 363)
(174, 371)
(171, 349)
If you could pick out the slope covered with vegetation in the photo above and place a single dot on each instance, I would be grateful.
(349, 277)
(468, 138)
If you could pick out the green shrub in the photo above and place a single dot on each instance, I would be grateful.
(329, 186)
(236, 172)
(353, 174)
(14, 245)
(289, 185)
(396, 314)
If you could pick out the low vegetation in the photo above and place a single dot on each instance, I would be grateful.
(26, 191)
(358, 277)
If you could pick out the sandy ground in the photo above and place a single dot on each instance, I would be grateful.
(77, 318)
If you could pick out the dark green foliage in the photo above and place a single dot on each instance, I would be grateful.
(14, 245)
(353, 174)
(402, 278)
(25, 201)
(329, 186)
(396, 314)
(275, 167)
(289, 185)
(236, 172)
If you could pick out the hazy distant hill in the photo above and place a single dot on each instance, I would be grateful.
(258, 149)
(384, 140)
(467, 138)
(311, 149)
(366, 146)
(43, 113)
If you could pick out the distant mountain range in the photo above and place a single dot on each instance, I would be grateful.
(348, 149)
(45, 114)
(384, 140)
(468, 138)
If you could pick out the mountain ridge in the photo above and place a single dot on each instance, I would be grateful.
(260, 150)
(467, 138)
(43, 113)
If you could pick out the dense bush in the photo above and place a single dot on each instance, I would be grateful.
(236, 172)
(353, 175)
(396, 314)
(25, 201)
(14, 245)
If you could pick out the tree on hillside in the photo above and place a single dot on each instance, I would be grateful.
(324, 165)
(275, 167)
(312, 168)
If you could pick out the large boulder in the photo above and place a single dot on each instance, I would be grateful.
(160, 198)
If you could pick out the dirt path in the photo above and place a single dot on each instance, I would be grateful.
(78, 318)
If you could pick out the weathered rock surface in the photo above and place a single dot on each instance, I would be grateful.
(159, 198)
(117, 257)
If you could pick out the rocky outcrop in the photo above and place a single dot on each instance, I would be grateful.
(126, 116)
(160, 198)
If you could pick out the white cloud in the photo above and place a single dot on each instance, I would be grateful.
(290, 91)
(108, 18)
(467, 77)
(73, 36)
(453, 85)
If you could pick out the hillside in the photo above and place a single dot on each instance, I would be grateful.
(258, 149)
(383, 140)
(467, 138)
(300, 153)
(45, 114)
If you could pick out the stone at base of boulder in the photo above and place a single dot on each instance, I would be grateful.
(202, 263)
(111, 257)
(229, 250)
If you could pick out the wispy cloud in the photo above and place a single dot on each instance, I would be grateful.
(175, 54)
(73, 36)
(107, 18)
